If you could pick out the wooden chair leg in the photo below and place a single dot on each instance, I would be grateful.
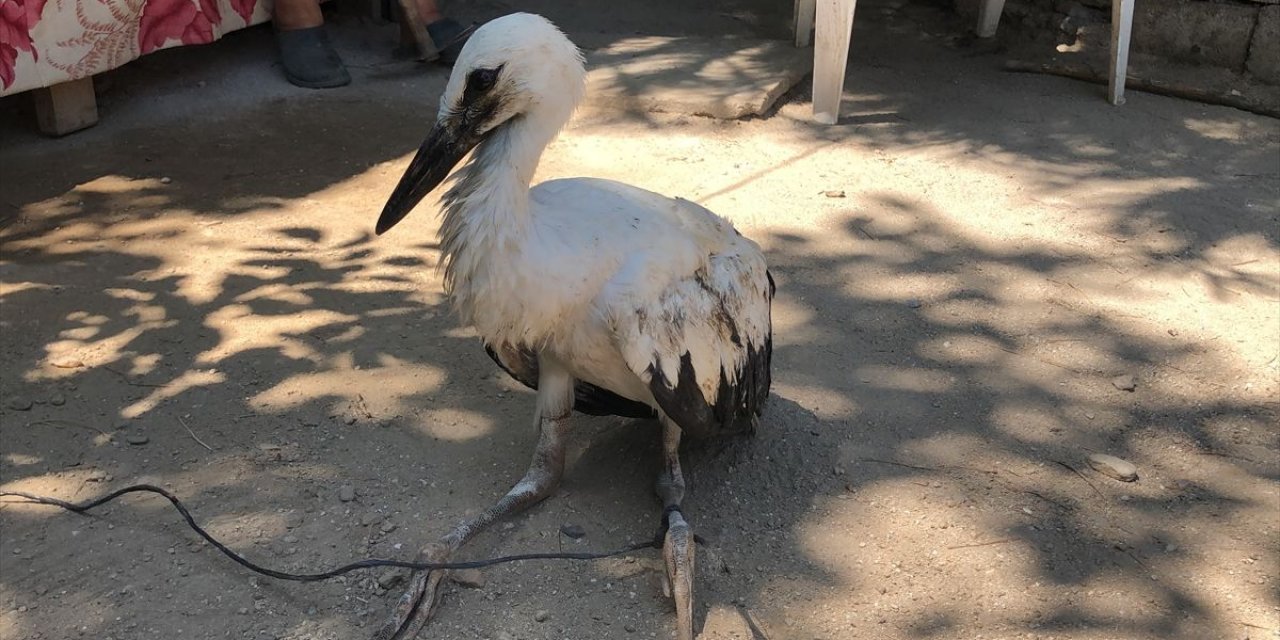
(66, 107)
(830, 57)
(1121, 26)
(803, 21)
(989, 17)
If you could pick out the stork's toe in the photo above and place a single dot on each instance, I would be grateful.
(678, 551)
(418, 603)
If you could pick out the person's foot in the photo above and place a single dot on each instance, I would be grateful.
(308, 57)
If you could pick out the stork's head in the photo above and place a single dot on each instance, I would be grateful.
(517, 67)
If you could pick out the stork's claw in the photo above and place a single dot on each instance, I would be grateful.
(418, 604)
(677, 550)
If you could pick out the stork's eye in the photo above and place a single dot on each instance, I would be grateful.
(482, 80)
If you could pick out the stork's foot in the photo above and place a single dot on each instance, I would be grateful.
(418, 604)
(677, 550)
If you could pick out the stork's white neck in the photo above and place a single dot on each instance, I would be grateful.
(486, 211)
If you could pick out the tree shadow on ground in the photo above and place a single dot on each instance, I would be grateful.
(936, 394)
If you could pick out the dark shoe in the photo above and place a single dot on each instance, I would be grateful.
(309, 59)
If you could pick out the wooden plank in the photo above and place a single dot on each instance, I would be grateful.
(66, 107)
(830, 57)
(989, 17)
(1162, 87)
(1121, 26)
(717, 76)
(803, 21)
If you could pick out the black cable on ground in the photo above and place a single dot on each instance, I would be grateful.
(84, 507)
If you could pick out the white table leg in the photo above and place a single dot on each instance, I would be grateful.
(804, 21)
(989, 17)
(830, 56)
(1121, 25)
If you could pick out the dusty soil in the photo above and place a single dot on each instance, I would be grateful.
(966, 263)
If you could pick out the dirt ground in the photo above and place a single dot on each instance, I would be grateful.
(970, 266)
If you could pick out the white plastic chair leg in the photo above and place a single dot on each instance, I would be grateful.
(803, 21)
(989, 17)
(1121, 26)
(830, 57)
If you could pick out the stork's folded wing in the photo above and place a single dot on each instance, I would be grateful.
(704, 346)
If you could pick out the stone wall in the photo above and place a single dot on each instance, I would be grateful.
(1239, 35)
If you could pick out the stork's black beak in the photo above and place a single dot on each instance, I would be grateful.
(444, 147)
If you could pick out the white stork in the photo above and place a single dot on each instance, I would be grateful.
(603, 297)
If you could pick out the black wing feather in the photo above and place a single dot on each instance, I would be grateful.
(738, 401)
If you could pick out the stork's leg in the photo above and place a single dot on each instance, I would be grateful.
(555, 401)
(677, 546)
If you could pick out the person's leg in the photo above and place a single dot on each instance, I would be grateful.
(309, 59)
(429, 11)
(296, 14)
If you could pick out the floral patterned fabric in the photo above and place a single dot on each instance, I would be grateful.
(45, 42)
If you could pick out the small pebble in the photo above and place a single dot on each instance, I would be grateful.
(469, 578)
(914, 303)
(1125, 382)
(57, 400)
(1113, 467)
(834, 193)
(18, 403)
(388, 527)
(347, 493)
(541, 615)
(573, 531)
(137, 438)
(371, 519)
(391, 578)
(166, 180)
